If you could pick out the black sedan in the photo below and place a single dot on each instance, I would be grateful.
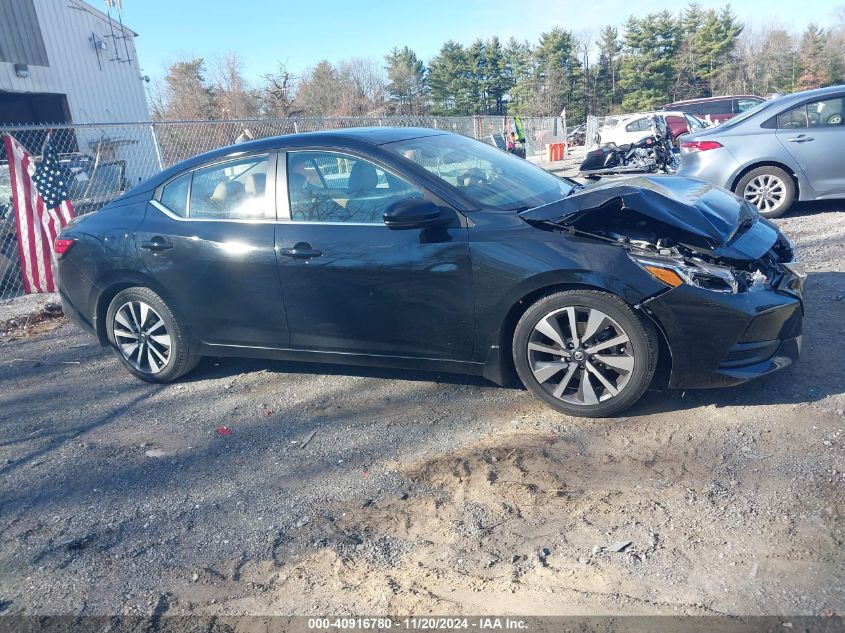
(422, 249)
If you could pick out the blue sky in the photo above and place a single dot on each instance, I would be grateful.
(300, 33)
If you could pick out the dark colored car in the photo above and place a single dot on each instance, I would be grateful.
(422, 249)
(716, 109)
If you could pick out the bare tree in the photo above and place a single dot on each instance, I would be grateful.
(234, 97)
(157, 99)
(362, 87)
(277, 97)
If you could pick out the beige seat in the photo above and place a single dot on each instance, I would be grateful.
(227, 194)
(254, 185)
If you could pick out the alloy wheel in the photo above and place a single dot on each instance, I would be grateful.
(580, 355)
(766, 192)
(142, 337)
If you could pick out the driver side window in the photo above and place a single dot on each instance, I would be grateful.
(336, 187)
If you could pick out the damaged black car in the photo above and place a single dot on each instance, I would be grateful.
(417, 248)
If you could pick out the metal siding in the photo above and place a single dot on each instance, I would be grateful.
(113, 94)
(20, 35)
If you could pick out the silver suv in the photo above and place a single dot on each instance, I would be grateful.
(792, 147)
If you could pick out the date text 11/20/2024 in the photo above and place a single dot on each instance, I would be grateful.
(417, 624)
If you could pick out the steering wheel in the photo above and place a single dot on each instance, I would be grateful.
(473, 177)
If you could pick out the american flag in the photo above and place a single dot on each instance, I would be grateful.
(42, 209)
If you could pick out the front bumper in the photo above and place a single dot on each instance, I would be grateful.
(721, 340)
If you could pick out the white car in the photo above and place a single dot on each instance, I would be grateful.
(631, 128)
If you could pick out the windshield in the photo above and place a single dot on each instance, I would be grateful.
(490, 178)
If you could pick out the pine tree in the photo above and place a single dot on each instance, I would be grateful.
(477, 72)
(450, 81)
(815, 64)
(187, 94)
(519, 75)
(607, 70)
(319, 90)
(651, 44)
(406, 78)
(497, 82)
(558, 74)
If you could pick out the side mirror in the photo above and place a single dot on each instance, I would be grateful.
(415, 213)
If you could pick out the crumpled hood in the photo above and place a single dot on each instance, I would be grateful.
(730, 226)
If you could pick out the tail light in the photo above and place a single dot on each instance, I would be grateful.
(699, 146)
(62, 246)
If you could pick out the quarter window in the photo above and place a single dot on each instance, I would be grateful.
(175, 195)
(335, 187)
(234, 190)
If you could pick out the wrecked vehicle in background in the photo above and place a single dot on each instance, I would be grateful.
(417, 248)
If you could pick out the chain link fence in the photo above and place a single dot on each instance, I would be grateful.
(101, 161)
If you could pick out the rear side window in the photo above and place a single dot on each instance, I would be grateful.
(234, 190)
(640, 125)
(817, 114)
(746, 104)
(723, 106)
(175, 195)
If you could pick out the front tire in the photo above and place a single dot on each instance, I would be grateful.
(585, 352)
(147, 338)
(770, 189)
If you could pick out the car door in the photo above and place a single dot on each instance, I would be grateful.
(814, 135)
(208, 240)
(353, 285)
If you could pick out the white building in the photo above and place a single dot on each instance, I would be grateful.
(63, 61)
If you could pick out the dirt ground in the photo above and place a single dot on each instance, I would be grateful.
(346, 490)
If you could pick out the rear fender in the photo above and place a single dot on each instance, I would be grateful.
(112, 283)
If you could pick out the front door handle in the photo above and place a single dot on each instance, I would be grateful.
(301, 250)
(800, 139)
(156, 245)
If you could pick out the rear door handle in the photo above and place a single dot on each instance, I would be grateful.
(302, 250)
(800, 139)
(156, 245)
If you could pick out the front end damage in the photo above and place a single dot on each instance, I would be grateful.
(731, 308)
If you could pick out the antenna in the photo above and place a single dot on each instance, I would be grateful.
(117, 5)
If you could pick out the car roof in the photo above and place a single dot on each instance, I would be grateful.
(709, 99)
(346, 138)
(369, 135)
(796, 97)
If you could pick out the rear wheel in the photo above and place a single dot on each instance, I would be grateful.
(146, 336)
(585, 352)
(770, 189)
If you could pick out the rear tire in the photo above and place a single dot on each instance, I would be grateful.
(615, 351)
(147, 338)
(768, 188)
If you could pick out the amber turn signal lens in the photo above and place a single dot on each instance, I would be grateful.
(668, 277)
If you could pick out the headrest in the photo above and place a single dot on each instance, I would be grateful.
(363, 176)
(254, 184)
(227, 190)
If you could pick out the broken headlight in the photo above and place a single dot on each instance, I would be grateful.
(674, 272)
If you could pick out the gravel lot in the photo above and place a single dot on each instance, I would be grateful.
(348, 490)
